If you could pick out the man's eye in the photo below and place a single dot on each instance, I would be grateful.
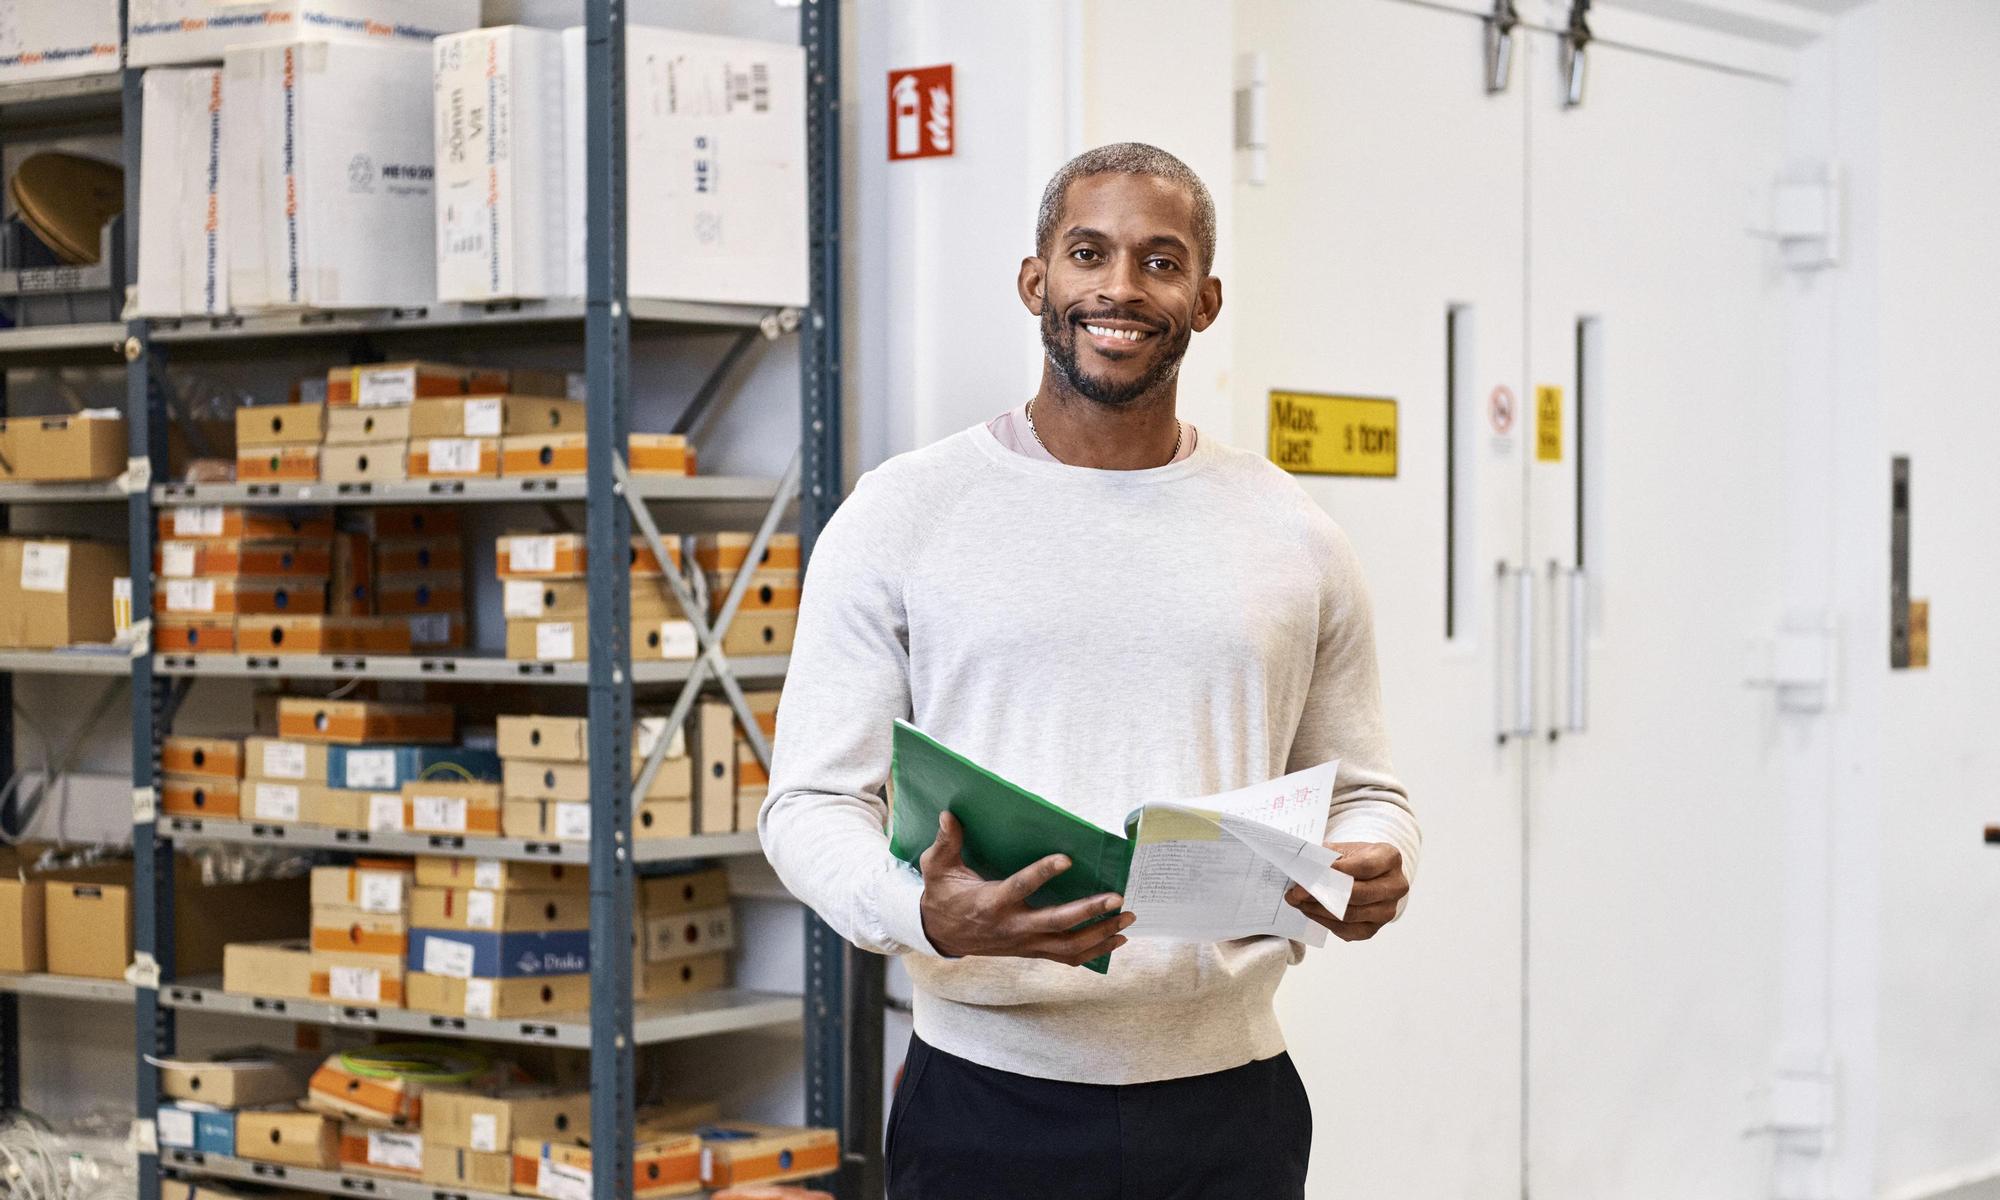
(1161, 264)
(1083, 254)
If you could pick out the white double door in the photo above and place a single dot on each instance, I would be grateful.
(1586, 983)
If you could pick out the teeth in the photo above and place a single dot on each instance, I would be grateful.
(1129, 335)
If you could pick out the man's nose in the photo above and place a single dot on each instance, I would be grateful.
(1122, 283)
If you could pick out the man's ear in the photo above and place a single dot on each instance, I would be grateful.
(1033, 284)
(1207, 303)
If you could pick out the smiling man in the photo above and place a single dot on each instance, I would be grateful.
(1092, 599)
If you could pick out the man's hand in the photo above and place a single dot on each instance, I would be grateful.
(965, 915)
(1379, 883)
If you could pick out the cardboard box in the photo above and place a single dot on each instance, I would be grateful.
(342, 808)
(569, 641)
(389, 385)
(376, 426)
(182, 271)
(434, 632)
(381, 768)
(380, 462)
(494, 416)
(172, 31)
(243, 556)
(199, 796)
(726, 552)
(497, 999)
(687, 934)
(282, 969)
(420, 592)
(409, 556)
(527, 780)
(54, 41)
(489, 1123)
(569, 600)
(736, 1153)
(391, 1152)
(486, 954)
(372, 980)
(89, 445)
(716, 154)
(194, 635)
(340, 929)
(492, 874)
(222, 521)
(450, 807)
(352, 722)
(753, 633)
(289, 1137)
(715, 769)
(373, 885)
(539, 738)
(271, 802)
(684, 892)
(238, 1084)
(272, 758)
(242, 595)
(175, 1126)
(91, 918)
(457, 1167)
(308, 227)
(565, 556)
(392, 1102)
(663, 1164)
(767, 591)
(351, 592)
(567, 454)
(680, 977)
(322, 635)
(216, 758)
(56, 591)
(474, 908)
(498, 96)
(546, 820)
(454, 458)
(280, 425)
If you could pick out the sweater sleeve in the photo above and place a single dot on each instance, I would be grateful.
(1343, 711)
(823, 823)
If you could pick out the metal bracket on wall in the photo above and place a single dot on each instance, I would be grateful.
(1500, 25)
(1575, 40)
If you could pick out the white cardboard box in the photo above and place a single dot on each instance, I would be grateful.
(183, 261)
(46, 39)
(498, 104)
(180, 31)
(329, 150)
(716, 167)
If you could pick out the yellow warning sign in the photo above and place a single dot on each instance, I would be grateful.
(1920, 634)
(1548, 423)
(1317, 434)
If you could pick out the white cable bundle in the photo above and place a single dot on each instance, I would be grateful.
(36, 1163)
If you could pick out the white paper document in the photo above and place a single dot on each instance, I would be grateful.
(1217, 867)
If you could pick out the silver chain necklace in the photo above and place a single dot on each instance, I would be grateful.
(1179, 431)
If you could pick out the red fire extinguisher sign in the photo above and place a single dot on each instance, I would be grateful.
(922, 115)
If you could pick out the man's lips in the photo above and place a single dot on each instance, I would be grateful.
(1117, 336)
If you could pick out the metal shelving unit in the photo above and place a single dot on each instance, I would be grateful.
(62, 662)
(66, 987)
(712, 489)
(464, 669)
(192, 830)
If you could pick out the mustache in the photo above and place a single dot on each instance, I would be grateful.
(1117, 315)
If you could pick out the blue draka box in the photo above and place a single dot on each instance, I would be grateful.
(388, 768)
(188, 1126)
(478, 954)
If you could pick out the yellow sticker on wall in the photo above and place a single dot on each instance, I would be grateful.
(1313, 433)
(1548, 423)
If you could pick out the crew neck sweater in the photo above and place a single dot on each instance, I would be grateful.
(1103, 639)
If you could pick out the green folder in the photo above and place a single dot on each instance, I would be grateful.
(1007, 827)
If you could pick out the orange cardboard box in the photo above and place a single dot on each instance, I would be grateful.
(451, 807)
(194, 635)
(566, 556)
(726, 551)
(392, 1152)
(454, 458)
(322, 635)
(494, 416)
(345, 930)
(235, 595)
(222, 521)
(735, 1153)
(356, 721)
(370, 979)
(243, 556)
(351, 592)
(400, 383)
(403, 556)
(431, 632)
(569, 641)
(663, 1164)
(768, 591)
(569, 599)
(213, 757)
(402, 521)
(278, 464)
(420, 592)
(379, 462)
(200, 796)
(568, 454)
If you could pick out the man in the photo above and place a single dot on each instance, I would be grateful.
(1093, 600)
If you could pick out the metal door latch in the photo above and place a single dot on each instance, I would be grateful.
(1500, 45)
(1574, 40)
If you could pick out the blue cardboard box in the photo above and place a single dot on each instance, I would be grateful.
(388, 768)
(484, 954)
(215, 1131)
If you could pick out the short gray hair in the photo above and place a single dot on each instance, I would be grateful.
(1128, 158)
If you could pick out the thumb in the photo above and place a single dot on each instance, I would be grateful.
(944, 852)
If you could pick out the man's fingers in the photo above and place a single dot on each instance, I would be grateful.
(1061, 917)
(1366, 860)
(1390, 888)
(1077, 951)
(1373, 914)
(944, 851)
(1029, 879)
(1354, 931)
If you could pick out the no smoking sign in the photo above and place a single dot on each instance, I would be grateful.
(1501, 408)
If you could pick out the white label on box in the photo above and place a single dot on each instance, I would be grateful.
(480, 909)
(485, 1127)
(677, 639)
(482, 417)
(442, 956)
(201, 521)
(380, 891)
(385, 812)
(431, 629)
(647, 735)
(284, 760)
(191, 595)
(525, 554)
(454, 456)
(402, 1151)
(176, 1127)
(438, 814)
(363, 985)
(521, 597)
(275, 802)
(479, 1003)
(379, 389)
(555, 640)
(177, 560)
(572, 820)
(45, 567)
(559, 1182)
(371, 769)
(488, 873)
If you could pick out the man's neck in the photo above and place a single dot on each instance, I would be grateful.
(1084, 433)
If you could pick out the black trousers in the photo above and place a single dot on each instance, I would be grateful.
(960, 1131)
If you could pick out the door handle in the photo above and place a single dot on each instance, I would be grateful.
(1576, 694)
(1521, 723)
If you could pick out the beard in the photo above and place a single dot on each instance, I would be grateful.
(1059, 343)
